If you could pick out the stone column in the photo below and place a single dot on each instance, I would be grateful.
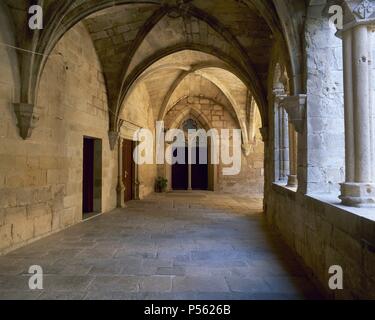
(283, 145)
(189, 177)
(348, 102)
(359, 187)
(120, 183)
(293, 151)
(168, 167)
(295, 106)
(137, 183)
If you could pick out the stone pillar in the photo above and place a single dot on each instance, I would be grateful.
(189, 177)
(283, 145)
(137, 183)
(120, 183)
(168, 167)
(348, 102)
(293, 152)
(359, 187)
(281, 139)
(295, 106)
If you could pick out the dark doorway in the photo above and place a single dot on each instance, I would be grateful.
(88, 175)
(199, 172)
(128, 169)
(180, 173)
(92, 176)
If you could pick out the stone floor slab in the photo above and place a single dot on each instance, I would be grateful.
(172, 246)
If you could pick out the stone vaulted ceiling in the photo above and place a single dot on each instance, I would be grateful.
(130, 36)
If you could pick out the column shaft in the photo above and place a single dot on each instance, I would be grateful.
(189, 176)
(361, 86)
(293, 154)
(284, 145)
(359, 187)
(120, 183)
(372, 107)
(348, 106)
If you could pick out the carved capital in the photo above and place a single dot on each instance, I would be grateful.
(26, 118)
(246, 148)
(279, 96)
(365, 9)
(295, 106)
(113, 138)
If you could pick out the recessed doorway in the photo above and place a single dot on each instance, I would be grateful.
(128, 165)
(92, 177)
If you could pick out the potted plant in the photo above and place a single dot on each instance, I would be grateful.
(161, 184)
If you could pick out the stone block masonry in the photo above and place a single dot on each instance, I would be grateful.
(41, 178)
(323, 235)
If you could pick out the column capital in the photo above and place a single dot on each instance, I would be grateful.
(363, 9)
(295, 106)
(358, 12)
(246, 148)
(26, 118)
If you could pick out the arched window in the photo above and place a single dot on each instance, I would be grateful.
(285, 133)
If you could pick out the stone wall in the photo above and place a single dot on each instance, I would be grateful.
(324, 234)
(41, 178)
(322, 145)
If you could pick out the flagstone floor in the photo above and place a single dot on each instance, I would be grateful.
(172, 246)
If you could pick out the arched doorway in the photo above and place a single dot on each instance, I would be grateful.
(194, 174)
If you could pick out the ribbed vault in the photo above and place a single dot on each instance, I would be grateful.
(188, 74)
(131, 35)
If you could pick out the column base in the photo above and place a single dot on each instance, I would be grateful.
(137, 191)
(120, 196)
(292, 181)
(360, 195)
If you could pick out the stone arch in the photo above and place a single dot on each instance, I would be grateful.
(182, 77)
(292, 23)
(200, 68)
(186, 97)
(196, 113)
(8, 34)
(236, 70)
(69, 13)
(243, 75)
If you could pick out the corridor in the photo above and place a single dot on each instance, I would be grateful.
(196, 245)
